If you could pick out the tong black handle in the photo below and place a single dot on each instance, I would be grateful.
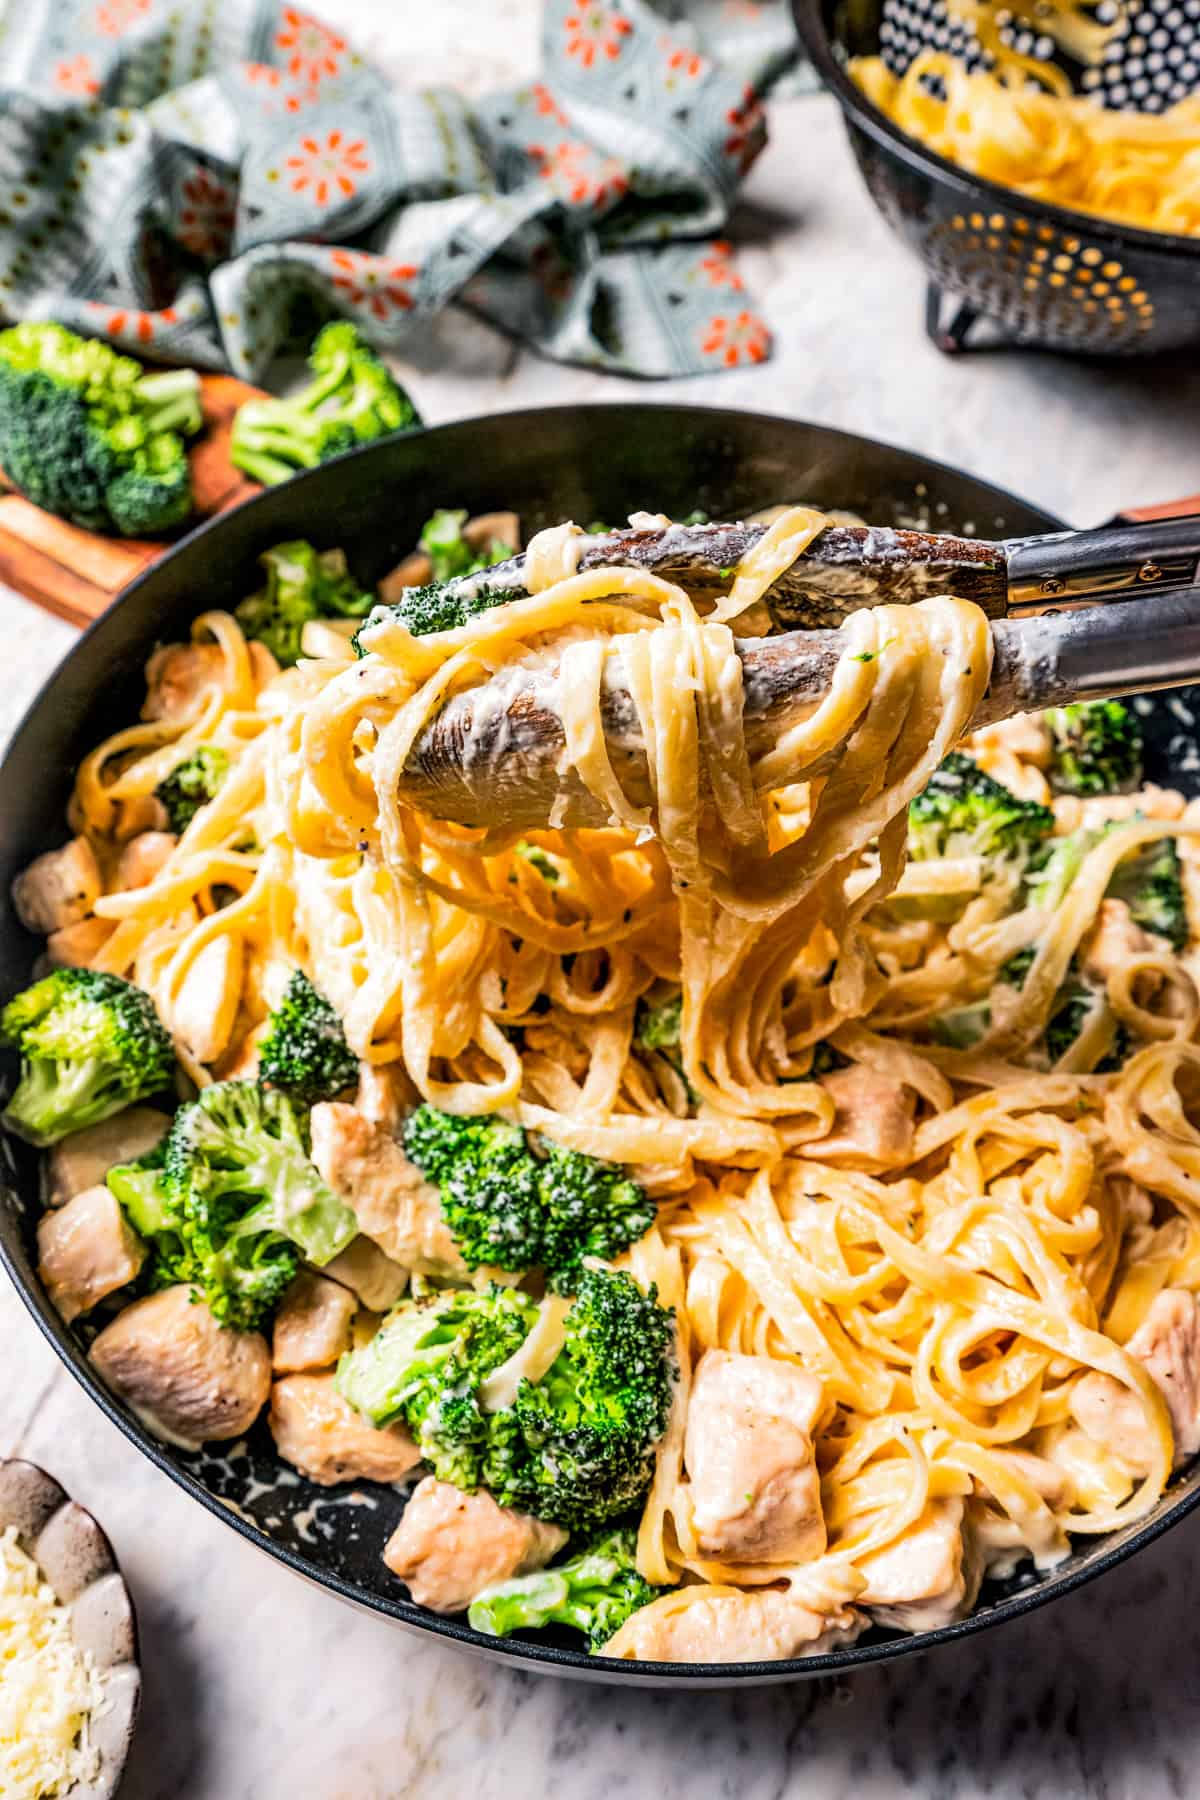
(1114, 562)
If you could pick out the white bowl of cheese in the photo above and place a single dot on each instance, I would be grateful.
(68, 1645)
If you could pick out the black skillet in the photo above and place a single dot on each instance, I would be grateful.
(570, 462)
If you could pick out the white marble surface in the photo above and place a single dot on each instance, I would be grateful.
(259, 1688)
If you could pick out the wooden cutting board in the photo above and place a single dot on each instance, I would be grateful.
(78, 573)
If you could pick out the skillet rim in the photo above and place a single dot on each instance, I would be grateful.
(544, 1658)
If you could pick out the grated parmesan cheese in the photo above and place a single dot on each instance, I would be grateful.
(48, 1689)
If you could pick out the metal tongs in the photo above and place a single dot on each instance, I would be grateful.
(1058, 630)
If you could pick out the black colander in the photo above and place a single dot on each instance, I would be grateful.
(1002, 266)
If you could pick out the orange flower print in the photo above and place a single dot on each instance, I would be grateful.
(546, 104)
(594, 31)
(141, 325)
(312, 51)
(743, 338)
(581, 174)
(328, 166)
(372, 282)
(206, 215)
(680, 62)
(76, 76)
(261, 74)
(115, 17)
(718, 268)
(745, 139)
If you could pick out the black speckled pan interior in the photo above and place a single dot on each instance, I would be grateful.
(581, 462)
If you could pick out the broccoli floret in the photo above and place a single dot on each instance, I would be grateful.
(449, 553)
(1070, 1011)
(590, 1425)
(537, 859)
(657, 1027)
(594, 1592)
(351, 400)
(235, 1203)
(302, 584)
(90, 1045)
(191, 784)
(510, 1209)
(425, 1367)
(304, 1051)
(963, 812)
(1151, 885)
(86, 434)
(1150, 881)
(962, 1026)
(423, 610)
(575, 1447)
(1096, 748)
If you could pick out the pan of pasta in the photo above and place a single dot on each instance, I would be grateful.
(1044, 164)
(726, 1215)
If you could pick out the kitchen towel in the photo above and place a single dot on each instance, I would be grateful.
(189, 180)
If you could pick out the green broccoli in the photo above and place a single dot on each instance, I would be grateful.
(351, 400)
(90, 1045)
(191, 784)
(302, 584)
(87, 434)
(435, 607)
(508, 1208)
(575, 1447)
(657, 1027)
(594, 1592)
(963, 812)
(589, 1427)
(1096, 748)
(304, 1051)
(425, 1366)
(538, 859)
(450, 554)
(1071, 1009)
(235, 1202)
(1150, 882)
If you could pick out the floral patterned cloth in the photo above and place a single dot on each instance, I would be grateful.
(177, 177)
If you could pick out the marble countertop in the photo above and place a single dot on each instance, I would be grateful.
(261, 1688)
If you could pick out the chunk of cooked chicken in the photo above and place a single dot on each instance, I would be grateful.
(374, 1277)
(85, 1251)
(84, 1158)
(1114, 1417)
(873, 1125)
(313, 1325)
(143, 858)
(186, 1377)
(729, 1626)
(388, 1195)
(385, 1094)
(1167, 1342)
(450, 1545)
(754, 1487)
(206, 1002)
(927, 1577)
(59, 888)
(1114, 940)
(178, 677)
(142, 812)
(320, 1434)
(77, 946)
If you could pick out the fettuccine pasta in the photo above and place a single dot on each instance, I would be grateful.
(959, 1245)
